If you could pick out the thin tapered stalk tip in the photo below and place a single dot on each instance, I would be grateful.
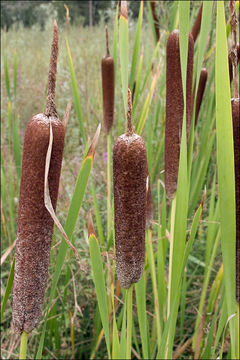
(50, 109)
(107, 46)
(129, 112)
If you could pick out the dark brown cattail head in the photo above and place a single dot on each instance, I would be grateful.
(175, 108)
(197, 25)
(155, 19)
(108, 88)
(230, 62)
(200, 91)
(129, 181)
(35, 225)
(236, 139)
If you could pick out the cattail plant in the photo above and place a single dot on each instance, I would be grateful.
(155, 19)
(175, 108)
(35, 225)
(197, 24)
(130, 180)
(200, 91)
(108, 88)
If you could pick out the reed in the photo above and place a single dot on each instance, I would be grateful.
(129, 180)
(35, 225)
(175, 107)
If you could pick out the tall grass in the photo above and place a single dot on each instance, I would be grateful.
(184, 302)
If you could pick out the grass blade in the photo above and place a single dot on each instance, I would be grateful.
(225, 166)
(8, 289)
(99, 282)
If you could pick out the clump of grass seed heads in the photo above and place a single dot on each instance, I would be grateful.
(175, 108)
(200, 91)
(130, 173)
(35, 225)
(197, 24)
(108, 88)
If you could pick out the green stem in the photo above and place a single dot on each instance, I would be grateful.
(129, 322)
(109, 161)
(23, 345)
(154, 282)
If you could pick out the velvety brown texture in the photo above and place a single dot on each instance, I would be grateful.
(197, 25)
(200, 91)
(155, 19)
(108, 92)
(175, 108)
(230, 62)
(35, 225)
(236, 138)
(129, 180)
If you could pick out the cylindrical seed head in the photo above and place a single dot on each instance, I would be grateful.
(129, 181)
(200, 92)
(230, 62)
(236, 139)
(175, 108)
(108, 89)
(35, 225)
(197, 25)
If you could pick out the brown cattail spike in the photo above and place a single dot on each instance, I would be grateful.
(230, 62)
(108, 88)
(236, 139)
(200, 92)
(175, 108)
(50, 109)
(197, 25)
(35, 225)
(155, 19)
(129, 181)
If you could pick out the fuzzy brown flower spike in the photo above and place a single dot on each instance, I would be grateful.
(129, 180)
(108, 88)
(175, 108)
(35, 225)
(197, 25)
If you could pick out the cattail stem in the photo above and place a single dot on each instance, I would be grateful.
(23, 345)
(129, 113)
(109, 193)
(234, 55)
(107, 46)
(51, 109)
(129, 322)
